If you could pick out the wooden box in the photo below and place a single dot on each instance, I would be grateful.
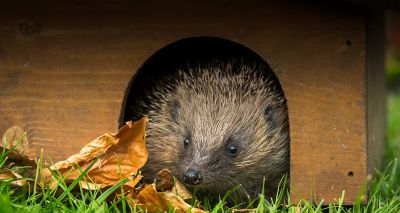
(65, 67)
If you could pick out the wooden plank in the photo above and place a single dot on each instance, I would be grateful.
(64, 69)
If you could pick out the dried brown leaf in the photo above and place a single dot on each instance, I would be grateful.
(14, 178)
(154, 201)
(178, 203)
(117, 156)
(19, 145)
(180, 190)
(165, 181)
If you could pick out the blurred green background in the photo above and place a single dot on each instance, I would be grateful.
(393, 88)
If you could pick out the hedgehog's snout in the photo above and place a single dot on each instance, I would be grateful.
(192, 177)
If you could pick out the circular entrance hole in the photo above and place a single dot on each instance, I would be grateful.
(200, 56)
(194, 51)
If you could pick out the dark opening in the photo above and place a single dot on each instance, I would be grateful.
(350, 174)
(189, 51)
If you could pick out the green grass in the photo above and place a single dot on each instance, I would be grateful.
(384, 194)
(60, 199)
(392, 150)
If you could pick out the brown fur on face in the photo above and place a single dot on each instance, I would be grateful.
(214, 107)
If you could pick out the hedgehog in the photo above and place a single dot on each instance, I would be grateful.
(217, 125)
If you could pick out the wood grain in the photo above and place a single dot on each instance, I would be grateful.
(64, 68)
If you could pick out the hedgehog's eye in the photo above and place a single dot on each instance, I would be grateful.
(186, 142)
(232, 149)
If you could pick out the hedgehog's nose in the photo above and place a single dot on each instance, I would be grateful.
(192, 177)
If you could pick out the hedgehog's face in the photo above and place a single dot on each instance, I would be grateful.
(215, 132)
(207, 159)
(222, 144)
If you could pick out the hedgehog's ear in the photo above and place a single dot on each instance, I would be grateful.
(174, 110)
(271, 116)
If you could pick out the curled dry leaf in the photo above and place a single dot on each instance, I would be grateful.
(171, 196)
(154, 201)
(180, 190)
(165, 181)
(14, 178)
(116, 156)
(16, 142)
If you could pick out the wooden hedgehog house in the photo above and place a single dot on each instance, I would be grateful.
(66, 67)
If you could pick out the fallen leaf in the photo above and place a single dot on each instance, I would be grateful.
(14, 178)
(116, 156)
(15, 141)
(180, 190)
(165, 181)
(178, 203)
(154, 201)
